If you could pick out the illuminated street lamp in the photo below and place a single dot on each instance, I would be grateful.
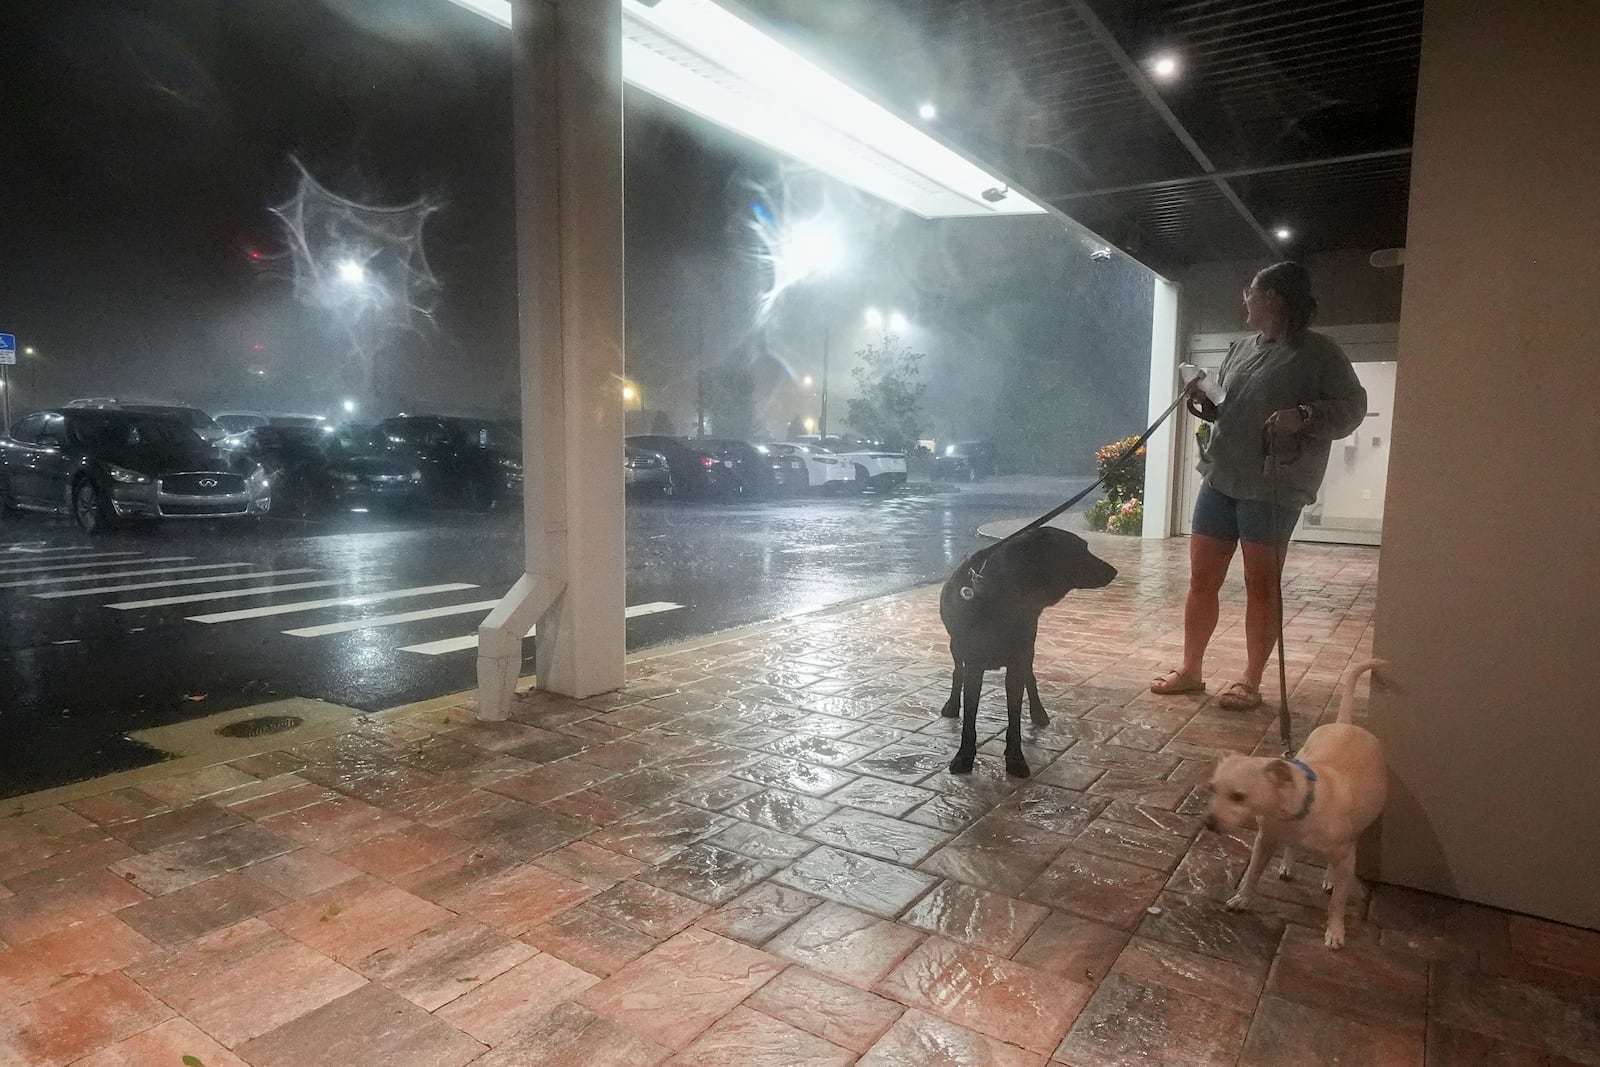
(349, 407)
(898, 323)
(806, 381)
(351, 272)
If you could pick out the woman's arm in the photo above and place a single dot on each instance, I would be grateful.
(1340, 404)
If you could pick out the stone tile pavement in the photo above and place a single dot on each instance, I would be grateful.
(753, 855)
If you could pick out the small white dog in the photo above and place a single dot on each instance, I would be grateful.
(1321, 801)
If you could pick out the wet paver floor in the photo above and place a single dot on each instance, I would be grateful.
(754, 855)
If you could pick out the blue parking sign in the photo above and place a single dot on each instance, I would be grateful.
(8, 348)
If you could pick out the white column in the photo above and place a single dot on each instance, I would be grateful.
(567, 115)
(1160, 457)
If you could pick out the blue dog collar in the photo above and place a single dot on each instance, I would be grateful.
(1311, 788)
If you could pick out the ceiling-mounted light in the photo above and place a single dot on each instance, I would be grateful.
(927, 112)
(1283, 233)
(702, 58)
(1164, 67)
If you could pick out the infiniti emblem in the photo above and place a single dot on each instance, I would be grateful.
(208, 483)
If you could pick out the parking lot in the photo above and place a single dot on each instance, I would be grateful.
(146, 626)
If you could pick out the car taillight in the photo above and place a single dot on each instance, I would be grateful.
(708, 461)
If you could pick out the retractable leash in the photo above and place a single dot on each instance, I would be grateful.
(1273, 464)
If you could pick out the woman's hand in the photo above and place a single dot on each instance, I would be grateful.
(1286, 422)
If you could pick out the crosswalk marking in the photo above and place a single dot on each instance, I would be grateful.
(120, 574)
(391, 620)
(247, 577)
(32, 560)
(26, 548)
(52, 567)
(460, 644)
(226, 594)
(338, 602)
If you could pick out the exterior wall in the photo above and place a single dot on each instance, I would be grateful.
(1489, 599)
(1349, 290)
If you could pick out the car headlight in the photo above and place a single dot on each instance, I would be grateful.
(259, 475)
(949, 450)
(126, 477)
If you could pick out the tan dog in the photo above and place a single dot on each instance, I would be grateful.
(1321, 802)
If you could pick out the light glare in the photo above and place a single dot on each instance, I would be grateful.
(898, 323)
(351, 272)
(1283, 233)
(1165, 67)
(927, 112)
(874, 318)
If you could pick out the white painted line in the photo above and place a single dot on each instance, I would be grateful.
(461, 644)
(33, 560)
(338, 602)
(391, 620)
(121, 574)
(249, 576)
(226, 594)
(27, 548)
(12, 569)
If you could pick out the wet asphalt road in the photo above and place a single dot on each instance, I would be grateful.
(80, 671)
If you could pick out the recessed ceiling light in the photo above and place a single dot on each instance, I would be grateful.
(1164, 66)
(1283, 233)
(928, 112)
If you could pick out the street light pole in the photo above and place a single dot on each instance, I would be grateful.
(822, 423)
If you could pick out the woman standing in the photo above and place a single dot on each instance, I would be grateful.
(1294, 392)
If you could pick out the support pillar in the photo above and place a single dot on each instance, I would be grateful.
(567, 117)
(1161, 451)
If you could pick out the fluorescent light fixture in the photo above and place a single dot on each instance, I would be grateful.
(699, 56)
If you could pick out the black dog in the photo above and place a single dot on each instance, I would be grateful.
(991, 607)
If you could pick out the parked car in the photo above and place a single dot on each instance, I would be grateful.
(824, 470)
(965, 461)
(646, 472)
(101, 465)
(463, 462)
(235, 422)
(314, 470)
(759, 472)
(198, 421)
(696, 470)
(875, 467)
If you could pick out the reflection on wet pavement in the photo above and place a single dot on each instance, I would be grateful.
(755, 854)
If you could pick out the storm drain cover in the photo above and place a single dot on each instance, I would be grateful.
(260, 726)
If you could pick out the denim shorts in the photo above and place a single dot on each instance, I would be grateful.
(1228, 519)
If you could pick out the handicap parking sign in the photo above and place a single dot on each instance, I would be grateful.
(8, 348)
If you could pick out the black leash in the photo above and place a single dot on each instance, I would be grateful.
(1280, 550)
(1127, 454)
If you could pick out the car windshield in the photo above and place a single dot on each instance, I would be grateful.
(121, 430)
(238, 423)
(194, 418)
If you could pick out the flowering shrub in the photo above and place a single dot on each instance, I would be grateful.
(1128, 518)
(1120, 510)
(1128, 482)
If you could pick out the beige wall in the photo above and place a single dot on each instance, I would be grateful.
(1349, 291)
(1489, 596)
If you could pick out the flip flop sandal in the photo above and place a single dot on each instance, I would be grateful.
(1239, 697)
(1171, 686)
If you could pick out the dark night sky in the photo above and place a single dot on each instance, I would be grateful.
(142, 141)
